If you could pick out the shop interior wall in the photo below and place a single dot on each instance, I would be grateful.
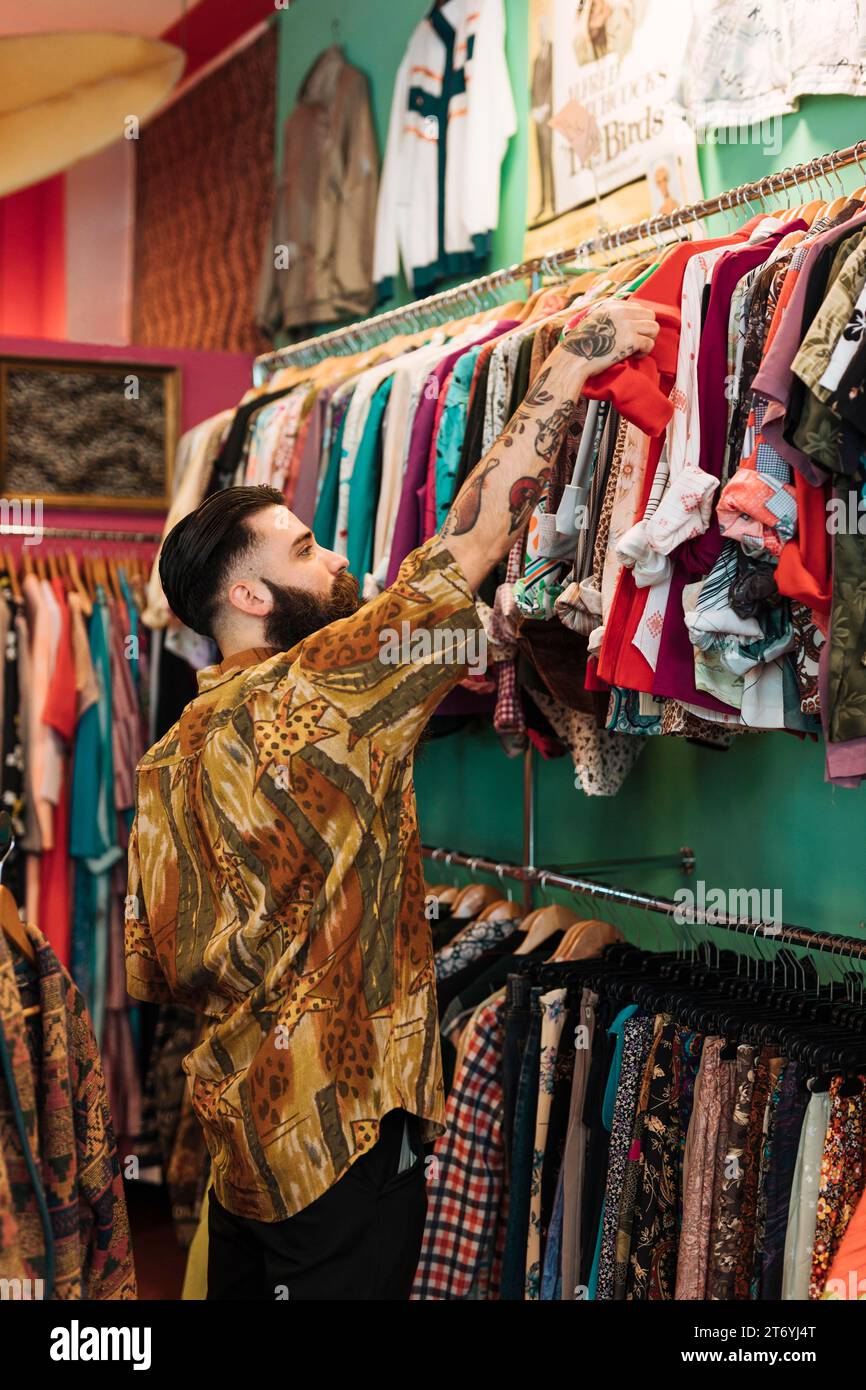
(758, 816)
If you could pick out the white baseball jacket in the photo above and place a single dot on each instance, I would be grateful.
(452, 116)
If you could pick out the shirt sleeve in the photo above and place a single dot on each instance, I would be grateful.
(144, 976)
(387, 667)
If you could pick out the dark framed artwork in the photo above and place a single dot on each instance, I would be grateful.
(88, 434)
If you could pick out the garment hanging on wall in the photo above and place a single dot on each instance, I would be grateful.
(325, 206)
(63, 1217)
(452, 115)
(598, 1148)
(750, 63)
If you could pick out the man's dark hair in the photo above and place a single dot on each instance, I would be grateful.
(201, 549)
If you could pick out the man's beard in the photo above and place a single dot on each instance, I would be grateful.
(297, 613)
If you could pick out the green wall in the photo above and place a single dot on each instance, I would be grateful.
(757, 816)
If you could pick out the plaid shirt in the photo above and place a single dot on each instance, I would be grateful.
(466, 1184)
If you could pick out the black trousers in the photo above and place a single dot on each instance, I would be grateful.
(360, 1240)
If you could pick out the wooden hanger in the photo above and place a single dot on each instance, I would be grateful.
(53, 571)
(585, 940)
(77, 583)
(548, 921)
(500, 910)
(471, 899)
(448, 895)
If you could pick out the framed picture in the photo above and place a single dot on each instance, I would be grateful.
(88, 434)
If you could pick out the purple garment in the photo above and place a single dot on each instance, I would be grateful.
(409, 526)
(774, 378)
(675, 668)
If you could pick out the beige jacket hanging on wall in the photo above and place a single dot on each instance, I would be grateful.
(318, 259)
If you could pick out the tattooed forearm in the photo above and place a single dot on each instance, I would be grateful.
(549, 429)
(523, 495)
(467, 504)
(595, 338)
(498, 498)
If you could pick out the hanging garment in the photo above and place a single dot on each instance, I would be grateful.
(749, 63)
(63, 1214)
(465, 1183)
(452, 115)
(317, 262)
(802, 1213)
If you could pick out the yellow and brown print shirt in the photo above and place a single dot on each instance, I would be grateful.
(275, 885)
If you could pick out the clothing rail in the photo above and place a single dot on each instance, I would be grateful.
(783, 933)
(82, 533)
(472, 290)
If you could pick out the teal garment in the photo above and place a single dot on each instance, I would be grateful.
(615, 1031)
(134, 628)
(452, 428)
(93, 826)
(325, 519)
(364, 485)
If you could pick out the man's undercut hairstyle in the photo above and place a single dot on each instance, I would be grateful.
(201, 550)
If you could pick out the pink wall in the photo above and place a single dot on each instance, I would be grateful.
(209, 382)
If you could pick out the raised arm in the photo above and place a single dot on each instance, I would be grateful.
(499, 495)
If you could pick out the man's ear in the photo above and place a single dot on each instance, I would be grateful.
(250, 597)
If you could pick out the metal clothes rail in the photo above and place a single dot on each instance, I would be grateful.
(82, 533)
(784, 934)
(311, 349)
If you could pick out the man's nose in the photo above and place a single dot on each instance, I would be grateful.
(336, 563)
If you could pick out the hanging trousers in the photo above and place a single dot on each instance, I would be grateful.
(360, 1240)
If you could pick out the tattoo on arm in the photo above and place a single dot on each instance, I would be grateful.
(467, 504)
(549, 429)
(523, 495)
(596, 337)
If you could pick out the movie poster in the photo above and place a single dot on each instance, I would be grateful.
(609, 142)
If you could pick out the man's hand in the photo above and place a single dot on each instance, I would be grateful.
(612, 330)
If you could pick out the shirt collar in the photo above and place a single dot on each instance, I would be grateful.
(211, 676)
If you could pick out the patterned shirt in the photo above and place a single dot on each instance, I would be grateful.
(275, 884)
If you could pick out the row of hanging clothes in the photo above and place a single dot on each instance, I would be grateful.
(64, 1226)
(679, 577)
(75, 697)
(627, 1124)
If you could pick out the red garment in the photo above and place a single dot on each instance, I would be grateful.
(639, 386)
(619, 663)
(60, 709)
(847, 1276)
